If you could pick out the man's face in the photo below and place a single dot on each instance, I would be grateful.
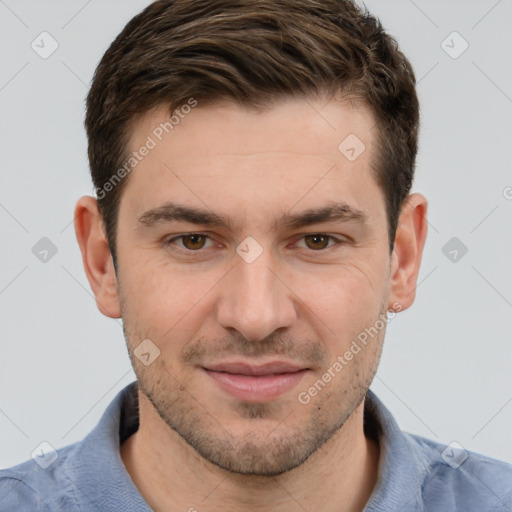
(249, 314)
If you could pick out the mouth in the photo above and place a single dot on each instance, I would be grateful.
(256, 383)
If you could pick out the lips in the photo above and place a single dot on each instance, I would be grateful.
(271, 368)
(256, 383)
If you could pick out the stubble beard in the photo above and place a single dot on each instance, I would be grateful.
(257, 451)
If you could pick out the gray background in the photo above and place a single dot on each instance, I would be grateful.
(445, 371)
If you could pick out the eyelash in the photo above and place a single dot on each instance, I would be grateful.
(191, 252)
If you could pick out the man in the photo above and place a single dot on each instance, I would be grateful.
(255, 230)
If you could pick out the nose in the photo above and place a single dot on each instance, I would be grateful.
(255, 300)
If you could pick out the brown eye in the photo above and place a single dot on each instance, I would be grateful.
(193, 242)
(317, 241)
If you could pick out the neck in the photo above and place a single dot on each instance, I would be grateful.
(171, 476)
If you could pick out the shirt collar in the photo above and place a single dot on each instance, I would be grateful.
(97, 470)
(403, 464)
(100, 478)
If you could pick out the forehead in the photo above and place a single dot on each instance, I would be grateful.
(243, 157)
(298, 125)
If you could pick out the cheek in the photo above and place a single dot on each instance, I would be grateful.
(348, 290)
(343, 305)
(165, 303)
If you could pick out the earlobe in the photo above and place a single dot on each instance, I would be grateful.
(96, 256)
(406, 257)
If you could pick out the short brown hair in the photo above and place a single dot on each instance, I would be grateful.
(255, 53)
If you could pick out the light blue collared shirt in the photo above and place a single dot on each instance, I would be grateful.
(415, 474)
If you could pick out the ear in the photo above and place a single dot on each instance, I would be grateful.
(406, 257)
(96, 257)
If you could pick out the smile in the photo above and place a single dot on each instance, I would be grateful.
(256, 383)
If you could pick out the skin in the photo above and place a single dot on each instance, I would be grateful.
(302, 300)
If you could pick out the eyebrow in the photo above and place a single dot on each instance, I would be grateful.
(172, 212)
